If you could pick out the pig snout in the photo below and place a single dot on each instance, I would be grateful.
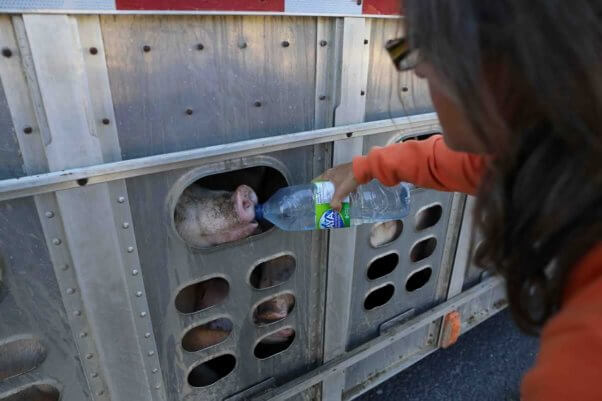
(275, 309)
(244, 199)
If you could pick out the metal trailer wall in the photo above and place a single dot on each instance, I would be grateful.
(89, 274)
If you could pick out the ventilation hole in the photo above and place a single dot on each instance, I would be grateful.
(206, 335)
(199, 296)
(428, 217)
(20, 356)
(419, 279)
(379, 297)
(274, 343)
(224, 204)
(274, 309)
(211, 371)
(82, 181)
(36, 392)
(383, 266)
(383, 234)
(423, 249)
(273, 272)
(416, 137)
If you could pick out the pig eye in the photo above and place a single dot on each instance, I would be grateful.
(202, 295)
(273, 272)
(428, 217)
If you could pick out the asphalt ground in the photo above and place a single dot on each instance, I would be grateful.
(486, 363)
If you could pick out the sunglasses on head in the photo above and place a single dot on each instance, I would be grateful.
(404, 58)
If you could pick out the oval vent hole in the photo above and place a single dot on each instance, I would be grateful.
(423, 249)
(273, 272)
(419, 279)
(274, 309)
(383, 266)
(379, 297)
(211, 371)
(206, 335)
(384, 233)
(205, 294)
(20, 356)
(220, 208)
(428, 217)
(274, 343)
(36, 392)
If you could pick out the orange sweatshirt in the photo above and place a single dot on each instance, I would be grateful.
(569, 364)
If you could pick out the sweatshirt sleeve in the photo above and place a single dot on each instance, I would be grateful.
(429, 164)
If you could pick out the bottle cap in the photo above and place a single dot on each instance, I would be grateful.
(258, 212)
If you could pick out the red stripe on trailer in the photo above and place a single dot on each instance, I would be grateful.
(202, 5)
(383, 7)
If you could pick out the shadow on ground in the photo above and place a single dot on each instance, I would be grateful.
(487, 363)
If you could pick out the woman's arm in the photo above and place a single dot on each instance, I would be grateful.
(429, 163)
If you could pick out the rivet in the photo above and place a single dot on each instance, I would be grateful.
(147, 335)
(49, 214)
(100, 393)
(151, 353)
(285, 43)
(242, 45)
(70, 291)
(121, 199)
(77, 313)
(142, 314)
(134, 272)
(83, 334)
(146, 48)
(322, 97)
(89, 356)
(155, 370)
(125, 224)
(65, 267)
(404, 89)
(27, 130)
(93, 50)
(158, 386)
(57, 241)
(94, 375)
(323, 43)
(106, 121)
(189, 112)
(130, 249)
(366, 41)
(6, 52)
(257, 104)
(138, 294)
(362, 93)
(200, 46)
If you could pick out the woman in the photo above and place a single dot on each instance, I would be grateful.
(517, 85)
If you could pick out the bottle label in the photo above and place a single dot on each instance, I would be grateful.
(326, 218)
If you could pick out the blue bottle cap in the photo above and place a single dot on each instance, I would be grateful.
(258, 212)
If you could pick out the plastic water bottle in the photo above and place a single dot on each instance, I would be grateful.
(307, 207)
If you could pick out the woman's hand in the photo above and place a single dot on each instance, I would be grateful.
(344, 183)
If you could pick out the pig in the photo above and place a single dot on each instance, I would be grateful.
(205, 218)
(383, 233)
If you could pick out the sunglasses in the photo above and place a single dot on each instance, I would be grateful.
(404, 58)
